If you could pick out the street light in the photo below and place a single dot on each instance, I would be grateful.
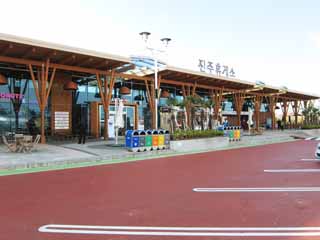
(155, 54)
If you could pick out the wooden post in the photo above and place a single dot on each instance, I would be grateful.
(285, 112)
(239, 101)
(257, 107)
(106, 95)
(217, 99)
(272, 108)
(42, 91)
(150, 98)
(296, 112)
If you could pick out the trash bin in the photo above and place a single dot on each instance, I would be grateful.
(129, 139)
(148, 143)
(231, 134)
(135, 141)
(161, 139)
(167, 139)
(155, 138)
(142, 141)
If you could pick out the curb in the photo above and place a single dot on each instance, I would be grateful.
(117, 159)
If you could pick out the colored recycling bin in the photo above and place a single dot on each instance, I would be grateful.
(161, 139)
(132, 140)
(142, 141)
(155, 139)
(231, 134)
(128, 139)
(148, 139)
(167, 139)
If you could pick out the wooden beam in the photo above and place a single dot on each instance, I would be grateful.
(6, 49)
(35, 86)
(68, 59)
(84, 61)
(29, 52)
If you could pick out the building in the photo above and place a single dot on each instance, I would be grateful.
(54, 88)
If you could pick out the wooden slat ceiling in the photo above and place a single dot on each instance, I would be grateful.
(204, 80)
(30, 52)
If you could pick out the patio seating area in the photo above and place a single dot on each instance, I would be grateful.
(18, 143)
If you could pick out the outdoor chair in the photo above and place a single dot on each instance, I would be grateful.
(11, 146)
(36, 141)
(29, 146)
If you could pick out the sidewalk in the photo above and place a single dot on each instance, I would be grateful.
(101, 152)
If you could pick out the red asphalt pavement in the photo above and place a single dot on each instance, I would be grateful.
(159, 192)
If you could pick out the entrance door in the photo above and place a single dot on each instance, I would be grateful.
(80, 118)
(128, 119)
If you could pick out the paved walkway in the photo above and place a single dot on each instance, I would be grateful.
(104, 152)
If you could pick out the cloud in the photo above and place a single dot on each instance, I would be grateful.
(315, 38)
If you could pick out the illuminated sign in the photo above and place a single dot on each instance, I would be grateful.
(11, 96)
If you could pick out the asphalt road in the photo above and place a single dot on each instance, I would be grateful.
(265, 192)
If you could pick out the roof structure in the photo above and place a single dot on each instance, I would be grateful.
(13, 48)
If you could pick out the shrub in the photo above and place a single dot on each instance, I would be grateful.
(310, 127)
(193, 134)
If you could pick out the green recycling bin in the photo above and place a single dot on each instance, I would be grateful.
(148, 141)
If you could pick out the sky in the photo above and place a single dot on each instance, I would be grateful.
(276, 42)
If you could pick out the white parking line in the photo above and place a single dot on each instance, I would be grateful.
(292, 170)
(182, 231)
(281, 189)
(310, 160)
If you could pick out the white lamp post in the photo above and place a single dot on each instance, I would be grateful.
(155, 54)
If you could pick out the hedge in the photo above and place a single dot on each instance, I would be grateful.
(310, 127)
(192, 134)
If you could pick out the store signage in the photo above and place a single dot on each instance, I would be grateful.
(11, 96)
(61, 120)
(216, 68)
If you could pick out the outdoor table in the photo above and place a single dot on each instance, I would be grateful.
(19, 142)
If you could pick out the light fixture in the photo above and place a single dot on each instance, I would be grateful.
(70, 86)
(165, 41)
(145, 36)
(125, 90)
(3, 80)
(139, 98)
(164, 94)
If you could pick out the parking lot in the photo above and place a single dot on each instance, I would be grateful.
(265, 192)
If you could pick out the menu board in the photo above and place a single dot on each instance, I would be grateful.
(61, 120)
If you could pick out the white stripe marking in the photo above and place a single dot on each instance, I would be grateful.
(309, 138)
(182, 231)
(310, 160)
(288, 189)
(317, 139)
(291, 170)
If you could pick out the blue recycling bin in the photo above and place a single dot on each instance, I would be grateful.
(132, 140)
(129, 139)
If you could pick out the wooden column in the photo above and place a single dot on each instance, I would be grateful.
(105, 90)
(305, 106)
(272, 108)
(217, 99)
(42, 90)
(285, 105)
(296, 109)
(151, 102)
(257, 107)
(239, 101)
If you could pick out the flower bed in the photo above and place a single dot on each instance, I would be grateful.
(194, 134)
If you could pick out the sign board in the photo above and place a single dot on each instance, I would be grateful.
(111, 131)
(61, 120)
(215, 68)
(11, 96)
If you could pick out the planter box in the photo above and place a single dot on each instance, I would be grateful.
(199, 144)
